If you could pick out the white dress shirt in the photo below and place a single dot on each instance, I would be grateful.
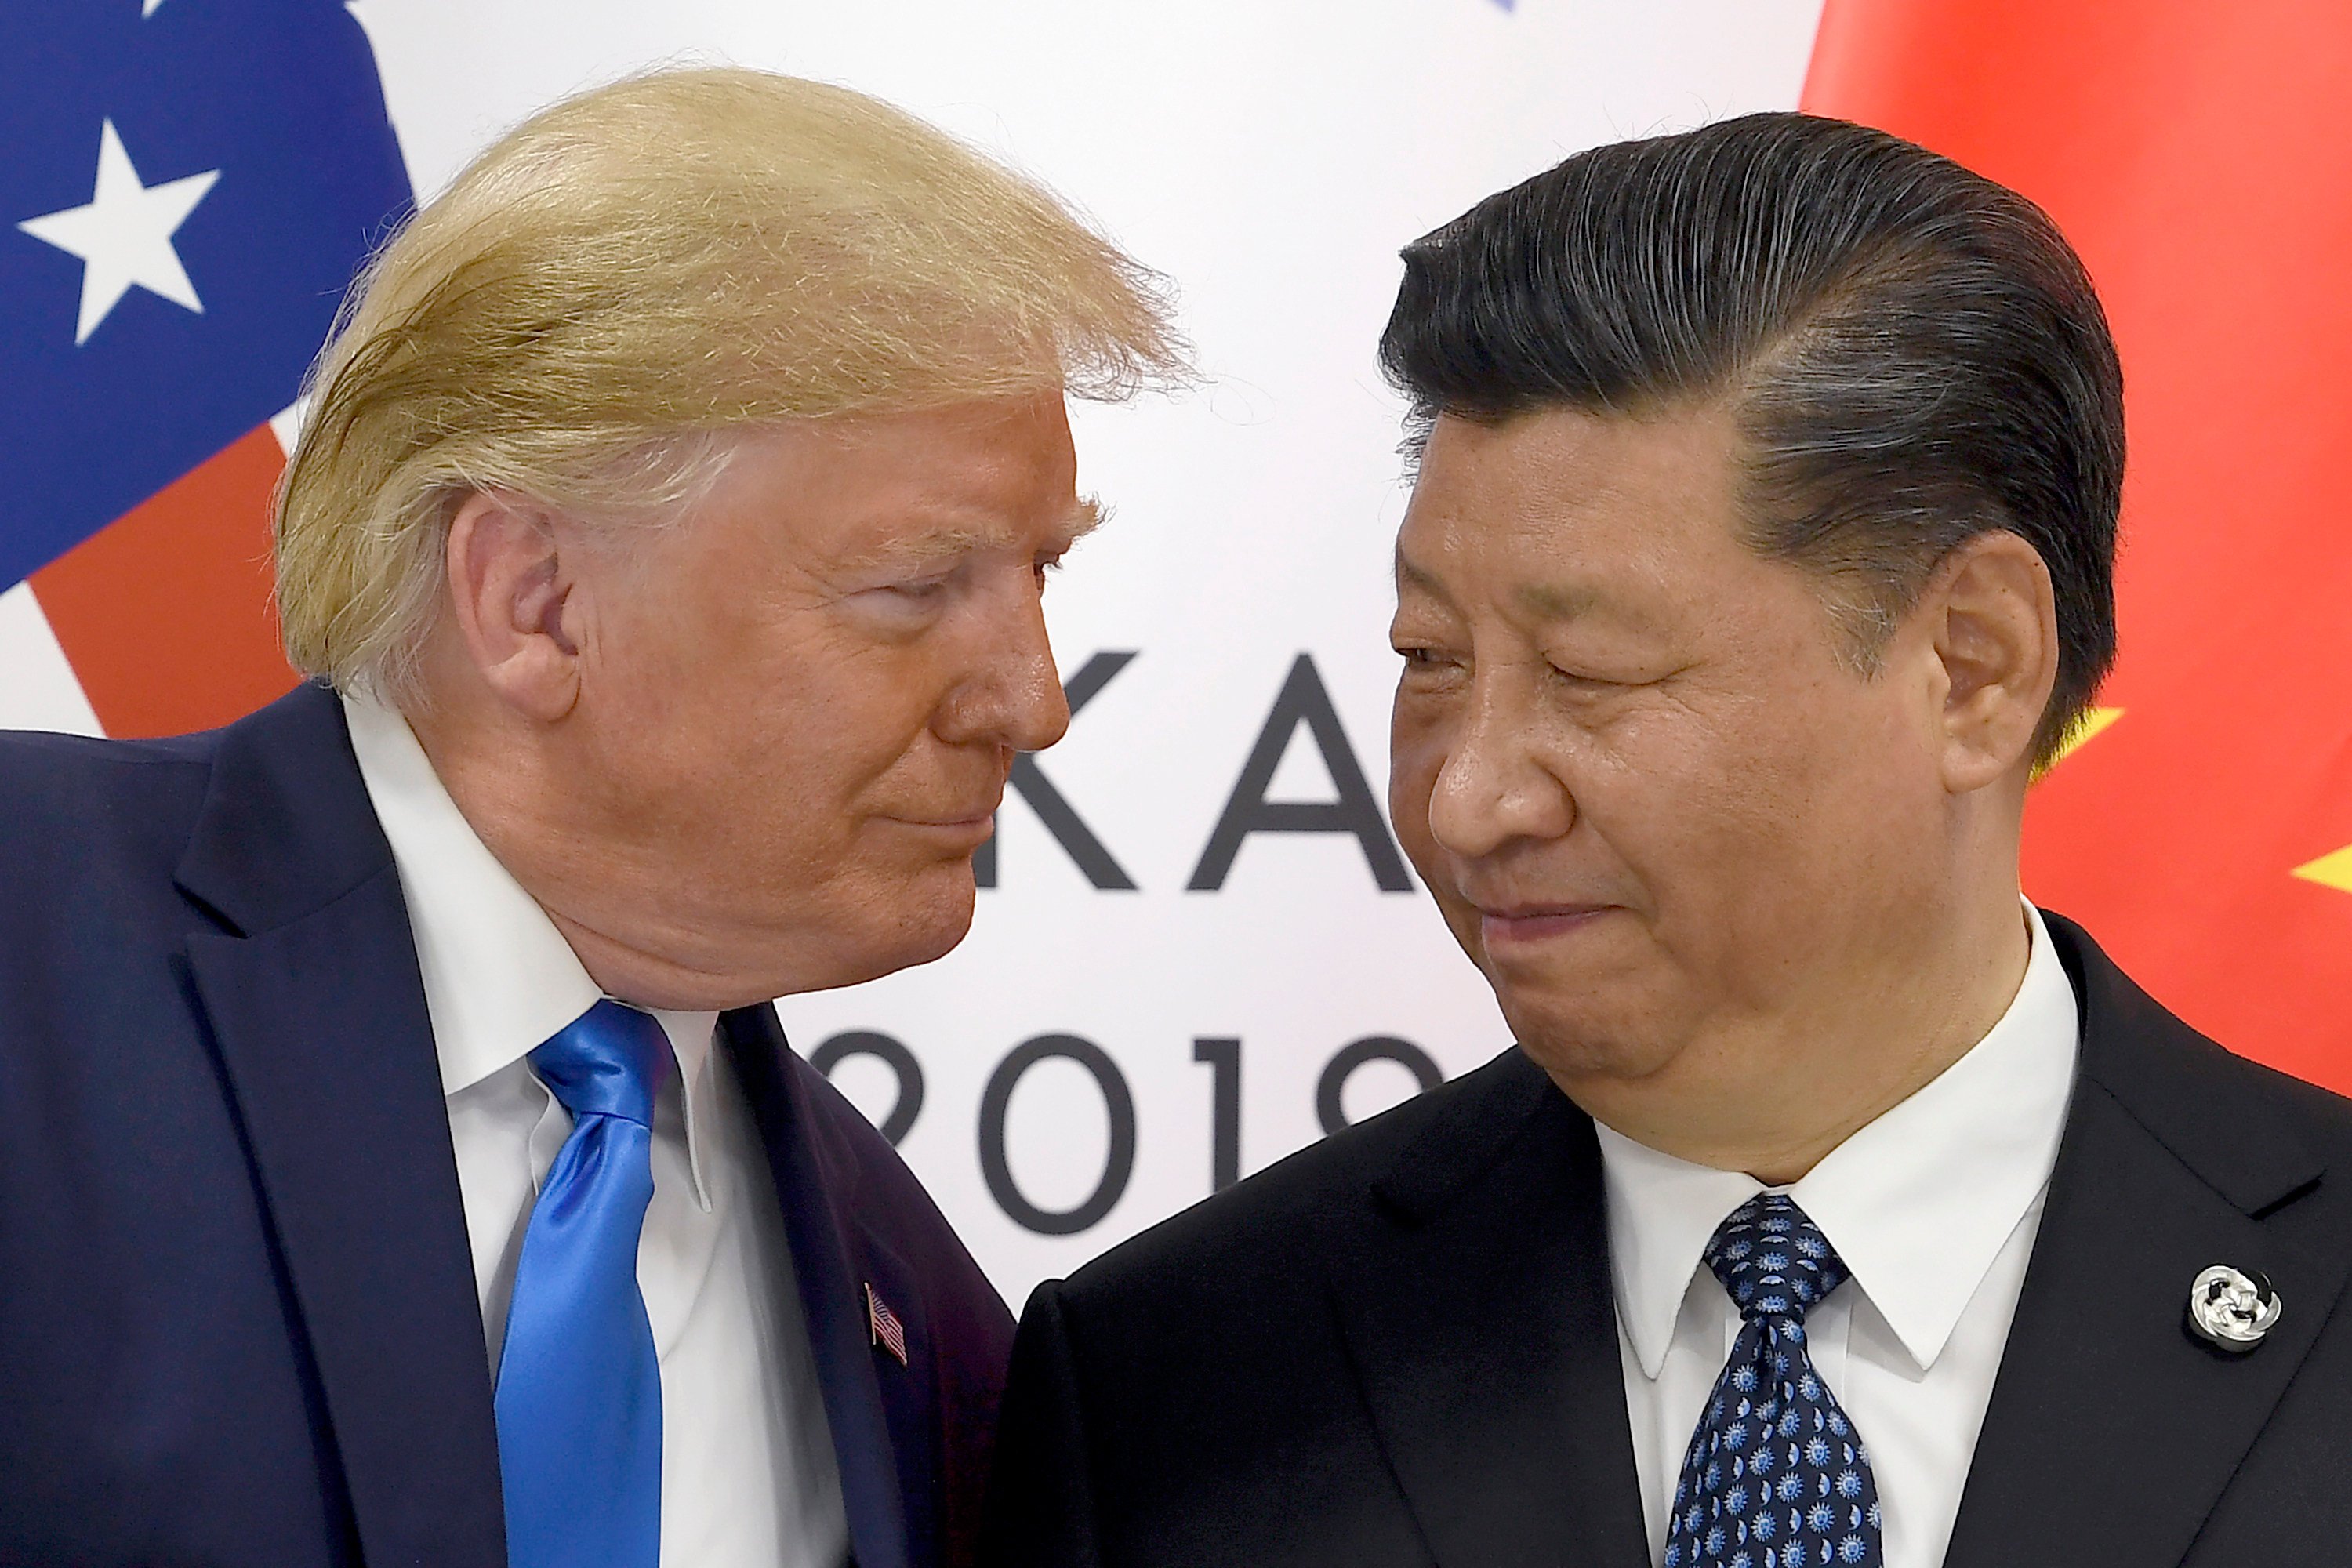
(748, 1470)
(1934, 1208)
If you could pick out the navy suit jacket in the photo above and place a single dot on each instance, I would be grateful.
(238, 1312)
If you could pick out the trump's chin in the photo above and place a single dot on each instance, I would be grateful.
(914, 920)
(942, 919)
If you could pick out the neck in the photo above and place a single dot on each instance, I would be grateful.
(506, 783)
(1774, 1098)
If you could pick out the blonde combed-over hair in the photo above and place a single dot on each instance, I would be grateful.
(616, 285)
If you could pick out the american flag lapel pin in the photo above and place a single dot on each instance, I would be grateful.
(883, 1325)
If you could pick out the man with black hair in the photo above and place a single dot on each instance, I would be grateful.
(1835, 1206)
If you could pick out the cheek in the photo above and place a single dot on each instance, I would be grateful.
(755, 751)
(1758, 830)
(682, 669)
(836, 707)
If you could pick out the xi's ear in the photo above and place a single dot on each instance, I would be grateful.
(514, 604)
(1995, 621)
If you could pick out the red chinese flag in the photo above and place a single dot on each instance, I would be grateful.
(2196, 154)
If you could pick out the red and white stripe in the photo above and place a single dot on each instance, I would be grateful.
(160, 623)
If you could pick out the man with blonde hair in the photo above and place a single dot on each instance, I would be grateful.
(404, 1163)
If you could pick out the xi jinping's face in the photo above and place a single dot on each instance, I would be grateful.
(1659, 802)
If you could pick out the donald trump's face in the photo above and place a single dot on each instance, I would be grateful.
(766, 737)
(814, 704)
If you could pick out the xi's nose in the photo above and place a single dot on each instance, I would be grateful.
(1491, 791)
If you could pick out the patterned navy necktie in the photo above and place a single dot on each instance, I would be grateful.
(1776, 1476)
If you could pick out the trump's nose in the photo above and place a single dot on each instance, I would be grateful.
(1012, 693)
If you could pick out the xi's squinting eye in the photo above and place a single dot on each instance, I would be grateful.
(1613, 678)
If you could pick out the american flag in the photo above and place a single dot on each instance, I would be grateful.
(190, 186)
(887, 1331)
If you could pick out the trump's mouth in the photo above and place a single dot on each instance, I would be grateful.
(960, 835)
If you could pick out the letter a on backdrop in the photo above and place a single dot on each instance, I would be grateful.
(2195, 155)
(187, 190)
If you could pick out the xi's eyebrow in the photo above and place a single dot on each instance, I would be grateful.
(1556, 602)
(1548, 603)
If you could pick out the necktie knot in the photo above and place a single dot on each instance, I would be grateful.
(1773, 1260)
(607, 1062)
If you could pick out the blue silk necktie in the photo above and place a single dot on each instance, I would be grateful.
(579, 1393)
(1776, 1476)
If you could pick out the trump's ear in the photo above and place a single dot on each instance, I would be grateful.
(514, 604)
(1994, 619)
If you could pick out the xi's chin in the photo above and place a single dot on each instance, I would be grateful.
(1584, 1037)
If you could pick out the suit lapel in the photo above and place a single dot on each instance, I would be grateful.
(1479, 1317)
(313, 999)
(815, 1179)
(2112, 1430)
(908, 1402)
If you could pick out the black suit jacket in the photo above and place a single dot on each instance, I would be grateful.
(238, 1312)
(1399, 1347)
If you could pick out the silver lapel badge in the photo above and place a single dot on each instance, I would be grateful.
(2232, 1309)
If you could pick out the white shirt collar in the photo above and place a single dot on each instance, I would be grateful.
(1918, 1202)
(499, 979)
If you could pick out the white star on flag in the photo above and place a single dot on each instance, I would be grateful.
(124, 235)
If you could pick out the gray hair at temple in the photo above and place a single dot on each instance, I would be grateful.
(1912, 354)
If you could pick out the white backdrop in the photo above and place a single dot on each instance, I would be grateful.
(1271, 158)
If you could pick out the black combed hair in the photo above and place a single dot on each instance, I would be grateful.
(1912, 354)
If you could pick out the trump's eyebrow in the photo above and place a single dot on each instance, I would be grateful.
(1089, 514)
(942, 546)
